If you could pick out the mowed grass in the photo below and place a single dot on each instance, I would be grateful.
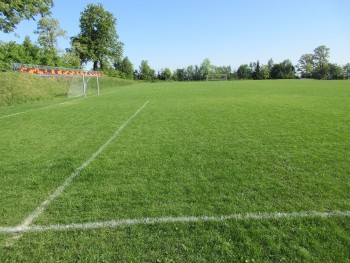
(197, 149)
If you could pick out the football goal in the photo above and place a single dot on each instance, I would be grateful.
(83, 86)
(216, 77)
(83, 83)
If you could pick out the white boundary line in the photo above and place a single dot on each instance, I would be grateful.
(164, 220)
(40, 209)
(43, 108)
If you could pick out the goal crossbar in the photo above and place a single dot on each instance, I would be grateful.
(82, 85)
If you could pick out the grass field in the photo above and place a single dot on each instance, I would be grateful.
(179, 172)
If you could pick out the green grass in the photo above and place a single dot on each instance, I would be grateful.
(211, 149)
(18, 88)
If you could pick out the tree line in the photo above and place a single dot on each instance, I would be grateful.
(98, 42)
(314, 65)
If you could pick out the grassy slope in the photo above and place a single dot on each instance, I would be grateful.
(17, 88)
(197, 149)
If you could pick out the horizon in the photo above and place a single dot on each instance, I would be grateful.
(230, 34)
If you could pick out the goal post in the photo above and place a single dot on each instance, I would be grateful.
(84, 85)
(80, 84)
(216, 77)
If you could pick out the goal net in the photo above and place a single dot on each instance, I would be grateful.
(83, 86)
(216, 77)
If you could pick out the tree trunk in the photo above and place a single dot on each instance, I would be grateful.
(95, 65)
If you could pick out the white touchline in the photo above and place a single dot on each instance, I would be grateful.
(40, 209)
(43, 108)
(163, 220)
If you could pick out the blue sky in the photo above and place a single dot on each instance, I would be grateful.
(179, 33)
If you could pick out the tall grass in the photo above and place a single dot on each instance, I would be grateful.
(17, 88)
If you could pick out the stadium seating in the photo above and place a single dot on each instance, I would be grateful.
(60, 72)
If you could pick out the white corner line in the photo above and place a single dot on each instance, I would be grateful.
(40, 209)
(164, 220)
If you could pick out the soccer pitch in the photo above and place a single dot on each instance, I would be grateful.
(180, 172)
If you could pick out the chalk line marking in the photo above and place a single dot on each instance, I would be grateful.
(41, 208)
(43, 108)
(164, 220)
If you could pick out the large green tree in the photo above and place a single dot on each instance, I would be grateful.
(244, 72)
(335, 71)
(321, 56)
(33, 55)
(206, 68)
(126, 68)
(257, 71)
(180, 74)
(14, 11)
(165, 74)
(270, 64)
(265, 72)
(98, 38)
(306, 65)
(146, 72)
(190, 72)
(315, 65)
(48, 30)
(283, 70)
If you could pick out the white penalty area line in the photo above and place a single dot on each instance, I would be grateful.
(164, 220)
(40, 209)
